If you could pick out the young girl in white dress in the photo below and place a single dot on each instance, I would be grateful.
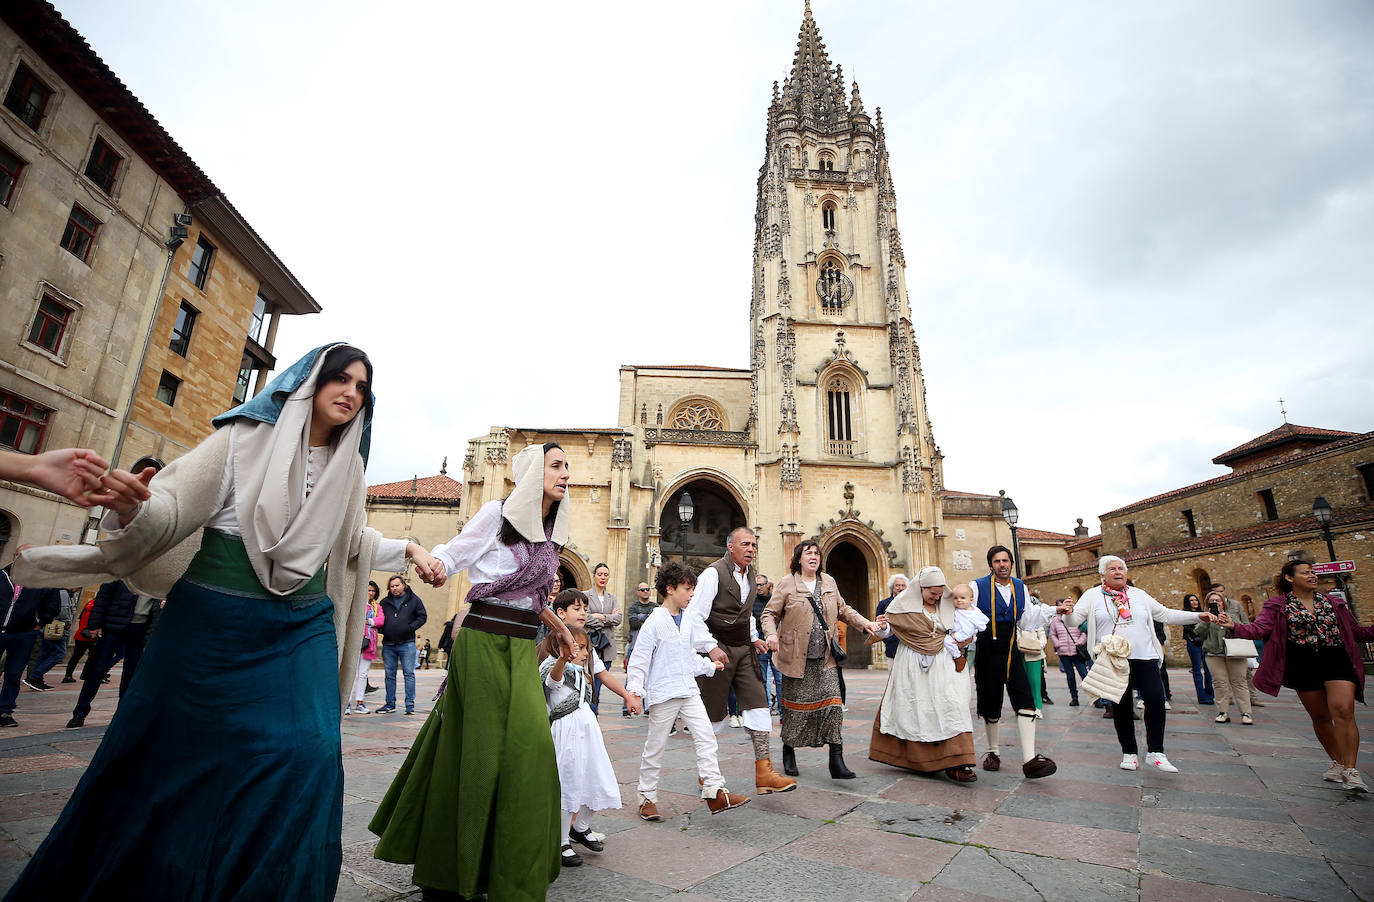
(584, 768)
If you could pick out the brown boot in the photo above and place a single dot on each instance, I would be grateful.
(767, 780)
(724, 801)
(648, 811)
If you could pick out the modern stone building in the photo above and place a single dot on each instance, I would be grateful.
(1239, 528)
(825, 433)
(139, 303)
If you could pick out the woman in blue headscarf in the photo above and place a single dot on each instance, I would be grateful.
(220, 776)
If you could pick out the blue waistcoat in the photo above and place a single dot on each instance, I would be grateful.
(1006, 613)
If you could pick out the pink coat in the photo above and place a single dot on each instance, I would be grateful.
(374, 611)
(1272, 626)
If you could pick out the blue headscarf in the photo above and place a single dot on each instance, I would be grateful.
(267, 406)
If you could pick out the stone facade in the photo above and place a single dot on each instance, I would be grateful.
(1232, 535)
(90, 194)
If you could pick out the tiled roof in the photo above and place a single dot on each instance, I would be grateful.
(1042, 535)
(1288, 432)
(1244, 536)
(430, 488)
(1352, 439)
(684, 366)
(1084, 542)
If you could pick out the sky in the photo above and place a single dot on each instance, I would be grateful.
(1130, 228)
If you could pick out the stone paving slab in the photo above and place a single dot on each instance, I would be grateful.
(1247, 819)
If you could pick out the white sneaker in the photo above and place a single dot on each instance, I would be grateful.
(1159, 762)
(361, 709)
(348, 710)
(735, 721)
(1354, 780)
(1130, 762)
(1335, 773)
(1167, 706)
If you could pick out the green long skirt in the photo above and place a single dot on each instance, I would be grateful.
(475, 807)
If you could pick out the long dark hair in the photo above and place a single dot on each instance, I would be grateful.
(339, 358)
(509, 535)
(1197, 605)
(1284, 581)
(804, 544)
(376, 589)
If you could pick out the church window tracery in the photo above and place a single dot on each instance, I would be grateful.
(697, 413)
(839, 417)
(828, 216)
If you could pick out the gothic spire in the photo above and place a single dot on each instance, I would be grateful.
(814, 88)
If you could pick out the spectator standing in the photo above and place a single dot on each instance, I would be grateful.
(896, 585)
(603, 616)
(424, 655)
(372, 618)
(82, 641)
(54, 641)
(772, 677)
(1032, 645)
(639, 611)
(26, 609)
(404, 613)
(1197, 659)
(1069, 645)
(119, 621)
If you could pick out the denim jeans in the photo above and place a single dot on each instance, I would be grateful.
(405, 653)
(1070, 665)
(16, 647)
(772, 679)
(1202, 675)
(49, 653)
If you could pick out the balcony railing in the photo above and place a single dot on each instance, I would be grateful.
(840, 448)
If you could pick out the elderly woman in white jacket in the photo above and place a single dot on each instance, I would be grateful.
(1115, 608)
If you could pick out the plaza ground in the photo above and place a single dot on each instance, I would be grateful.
(1248, 817)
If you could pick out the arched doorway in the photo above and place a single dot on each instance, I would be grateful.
(848, 566)
(715, 513)
(7, 532)
(1202, 580)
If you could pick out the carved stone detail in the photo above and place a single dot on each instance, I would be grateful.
(791, 468)
(621, 452)
(660, 436)
(498, 447)
(697, 415)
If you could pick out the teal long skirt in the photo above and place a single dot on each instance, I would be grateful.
(220, 776)
(475, 807)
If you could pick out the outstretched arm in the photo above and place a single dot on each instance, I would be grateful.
(73, 473)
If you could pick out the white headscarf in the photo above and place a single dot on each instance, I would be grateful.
(288, 536)
(524, 507)
(911, 601)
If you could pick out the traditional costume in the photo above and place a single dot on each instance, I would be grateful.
(585, 777)
(475, 806)
(924, 722)
(220, 776)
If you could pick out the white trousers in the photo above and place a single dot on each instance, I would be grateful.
(661, 718)
(360, 682)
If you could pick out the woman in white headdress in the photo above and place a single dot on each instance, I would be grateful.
(476, 805)
(221, 775)
(924, 723)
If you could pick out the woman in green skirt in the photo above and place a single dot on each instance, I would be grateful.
(220, 776)
(476, 806)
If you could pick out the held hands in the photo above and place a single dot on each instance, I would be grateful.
(1223, 619)
(773, 642)
(882, 618)
(1065, 608)
(720, 665)
(430, 568)
(718, 655)
(760, 646)
(634, 704)
(123, 492)
(73, 473)
(873, 629)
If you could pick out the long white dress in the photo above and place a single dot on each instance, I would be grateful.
(585, 774)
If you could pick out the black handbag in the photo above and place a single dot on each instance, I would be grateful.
(835, 651)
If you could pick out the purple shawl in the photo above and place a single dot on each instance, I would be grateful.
(532, 578)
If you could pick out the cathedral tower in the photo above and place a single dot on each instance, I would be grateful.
(845, 446)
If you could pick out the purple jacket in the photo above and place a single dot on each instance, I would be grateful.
(1272, 626)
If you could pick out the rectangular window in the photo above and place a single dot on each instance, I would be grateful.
(260, 308)
(1192, 525)
(167, 388)
(181, 331)
(50, 324)
(28, 97)
(1032, 567)
(1366, 472)
(245, 375)
(103, 166)
(1130, 531)
(21, 423)
(10, 167)
(79, 235)
(200, 262)
(1271, 510)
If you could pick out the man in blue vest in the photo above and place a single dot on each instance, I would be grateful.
(998, 663)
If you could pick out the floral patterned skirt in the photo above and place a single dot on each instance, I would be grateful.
(811, 715)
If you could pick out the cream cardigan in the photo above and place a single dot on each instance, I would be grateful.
(154, 552)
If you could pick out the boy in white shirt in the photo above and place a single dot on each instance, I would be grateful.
(668, 655)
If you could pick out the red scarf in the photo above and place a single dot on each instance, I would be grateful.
(1123, 604)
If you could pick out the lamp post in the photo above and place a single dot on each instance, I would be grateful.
(685, 510)
(1010, 514)
(1321, 509)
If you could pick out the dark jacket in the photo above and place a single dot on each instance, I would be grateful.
(404, 616)
(114, 607)
(891, 642)
(32, 609)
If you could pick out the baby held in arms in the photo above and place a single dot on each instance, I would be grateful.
(968, 621)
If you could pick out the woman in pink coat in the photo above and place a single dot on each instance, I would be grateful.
(375, 618)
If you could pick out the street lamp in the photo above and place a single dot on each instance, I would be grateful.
(685, 510)
(1321, 509)
(1010, 514)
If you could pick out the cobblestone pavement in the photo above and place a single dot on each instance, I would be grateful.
(1248, 817)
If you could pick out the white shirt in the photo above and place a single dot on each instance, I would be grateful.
(1035, 616)
(1138, 629)
(668, 658)
(478, 548)
(708, 583)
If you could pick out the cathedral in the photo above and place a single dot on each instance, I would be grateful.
(825, 434)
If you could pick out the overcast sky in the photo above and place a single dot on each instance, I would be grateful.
(1130, 228)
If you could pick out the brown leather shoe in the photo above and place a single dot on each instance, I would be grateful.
(767, 780)
(963, 774)
(992, 761)
(1039, 766)
(648, 811)
(724, 801)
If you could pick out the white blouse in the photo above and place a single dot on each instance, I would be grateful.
(1139, 628)
(478, 549)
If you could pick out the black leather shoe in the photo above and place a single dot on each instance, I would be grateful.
(585, 839)
(77, 722)
(789, 761)
(838, 770)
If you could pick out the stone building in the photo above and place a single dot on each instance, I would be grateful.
(139, 302)
(1239, 528)
(825, 433)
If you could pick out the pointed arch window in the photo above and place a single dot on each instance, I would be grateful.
(826, 161)
(834, 287)
(828, 216)
(839, 427)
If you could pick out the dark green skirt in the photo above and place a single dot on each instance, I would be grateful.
(475, 807)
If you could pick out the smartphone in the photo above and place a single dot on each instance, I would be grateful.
(1214, 609)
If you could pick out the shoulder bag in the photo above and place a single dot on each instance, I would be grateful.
(1241, 648)
(835, 651)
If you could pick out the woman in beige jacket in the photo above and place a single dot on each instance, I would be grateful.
(801, 644)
